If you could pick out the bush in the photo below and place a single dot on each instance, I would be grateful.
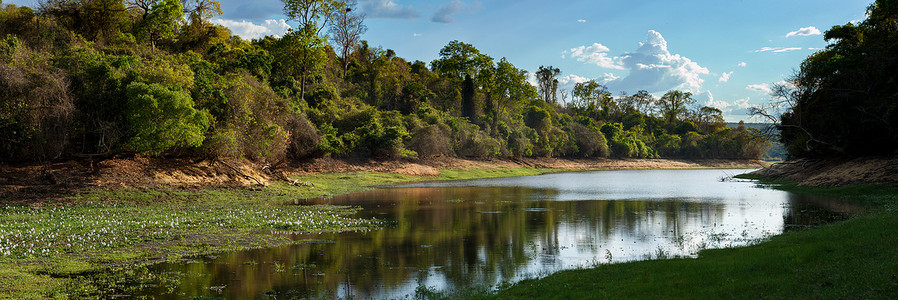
(430, 141)
(160, 119)
(589, 143)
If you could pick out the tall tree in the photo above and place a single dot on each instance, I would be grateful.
(307, 44)
(547, 83)
(162, 21)
(346, 30)
(592, 98)
(673, 105)
(642, 102)
(459, 59)
(312, 14)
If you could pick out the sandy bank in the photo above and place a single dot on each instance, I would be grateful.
(836, 172)
(20, 182)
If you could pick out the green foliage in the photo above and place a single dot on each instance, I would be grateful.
(143, 77)
(458, 59)
(161, 23)
(161, 119)
(843, 99)
(8, 49)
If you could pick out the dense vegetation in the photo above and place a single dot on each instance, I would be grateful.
(844, 99)
(156, 77)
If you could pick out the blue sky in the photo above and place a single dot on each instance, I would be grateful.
(727, 52)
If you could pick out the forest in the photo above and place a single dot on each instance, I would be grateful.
(843, 100)
(87, 78)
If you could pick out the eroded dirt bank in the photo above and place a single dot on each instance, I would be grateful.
(47, 180)
(836, 172)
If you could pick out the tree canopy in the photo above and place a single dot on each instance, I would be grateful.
(843, 101)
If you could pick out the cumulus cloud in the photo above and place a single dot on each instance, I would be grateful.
(654, 69)
(725, 77)
(762, 87)
(805, 31)
(388, 9)
(595, 54)
(778, 49)
(581, 21)
(738, 107)
(742, 64)
(249, 30)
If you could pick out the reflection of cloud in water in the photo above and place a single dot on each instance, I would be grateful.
(461, 234)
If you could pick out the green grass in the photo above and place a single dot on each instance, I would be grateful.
(852, 259)
(93, 243)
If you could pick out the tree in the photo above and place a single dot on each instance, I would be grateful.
(162, 20)
(346, 31)
(547, 83)
(672, 105)
(312, 15)
(709, 118)
(304, 50)
(642, 102)
(843, 100)
(592, 98)
(459, 59)
(300, 53)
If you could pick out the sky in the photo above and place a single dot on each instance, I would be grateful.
(726, 52)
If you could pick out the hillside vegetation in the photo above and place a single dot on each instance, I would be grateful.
(100, 77)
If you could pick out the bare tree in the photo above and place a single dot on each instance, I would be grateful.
(785, 99)
(346, 31)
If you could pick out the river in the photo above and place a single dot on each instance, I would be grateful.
(479, 234)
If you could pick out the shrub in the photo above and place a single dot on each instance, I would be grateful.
(160, 119)
(431, 140)
(589, 143)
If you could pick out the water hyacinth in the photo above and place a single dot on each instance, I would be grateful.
(28, 232)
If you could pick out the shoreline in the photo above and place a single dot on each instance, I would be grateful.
(55, 181)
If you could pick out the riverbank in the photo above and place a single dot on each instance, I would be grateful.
(85, 228)
(825, 262)
(56, 180)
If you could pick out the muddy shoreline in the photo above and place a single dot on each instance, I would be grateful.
(27, 182)
(835, 171)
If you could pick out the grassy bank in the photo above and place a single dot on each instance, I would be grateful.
(852, 259)
(92, 243)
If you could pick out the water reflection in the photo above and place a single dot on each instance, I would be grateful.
(473, 233)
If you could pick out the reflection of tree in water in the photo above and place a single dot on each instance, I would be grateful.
(469, 236)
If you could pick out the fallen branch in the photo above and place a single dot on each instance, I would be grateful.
(238, 171)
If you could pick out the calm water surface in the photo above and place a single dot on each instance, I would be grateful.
(481, 233)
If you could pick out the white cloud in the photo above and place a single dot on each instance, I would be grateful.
(736, 108)
(742, 64)
(762, 87)
(445, 12)
(778, 49)
(249, 30)
(654, 69)
(571, 80)
(805, 31)
(388, 9)
(581, 21)
(595, 54)
(725, 77)
(417, 34)
(608, 77)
